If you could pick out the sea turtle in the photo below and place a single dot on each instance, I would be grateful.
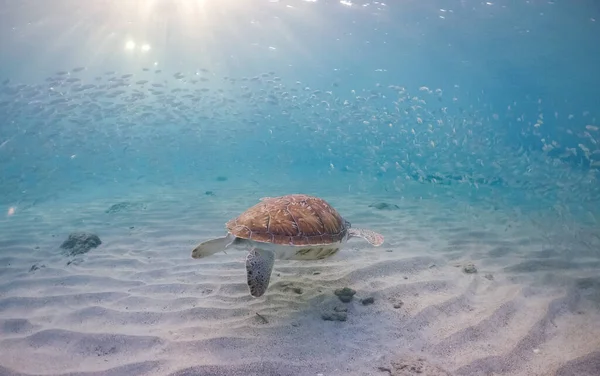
(292, 227)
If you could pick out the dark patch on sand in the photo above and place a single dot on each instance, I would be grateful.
(409, 365)
(79, 243)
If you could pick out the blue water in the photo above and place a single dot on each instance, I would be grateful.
(494, 105)
(304, 88)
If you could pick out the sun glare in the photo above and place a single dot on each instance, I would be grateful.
(151, 29)
(150, 21)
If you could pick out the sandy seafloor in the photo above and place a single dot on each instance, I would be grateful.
(139, 305)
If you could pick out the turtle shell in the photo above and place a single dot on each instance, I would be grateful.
(290, 220)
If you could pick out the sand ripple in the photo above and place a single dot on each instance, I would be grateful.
(139, 305)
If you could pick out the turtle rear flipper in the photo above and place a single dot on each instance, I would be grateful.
(372, 237)
(210, 247)
(259, 264)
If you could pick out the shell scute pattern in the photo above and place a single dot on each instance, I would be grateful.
(293, 219)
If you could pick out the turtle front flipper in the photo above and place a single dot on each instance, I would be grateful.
(210, 247)
(259, 264)
(372, 237)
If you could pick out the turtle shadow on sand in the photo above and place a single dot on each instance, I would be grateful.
(384, 206)
(310, 300)
(79, 243)
(292, 227)
(125, 206)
